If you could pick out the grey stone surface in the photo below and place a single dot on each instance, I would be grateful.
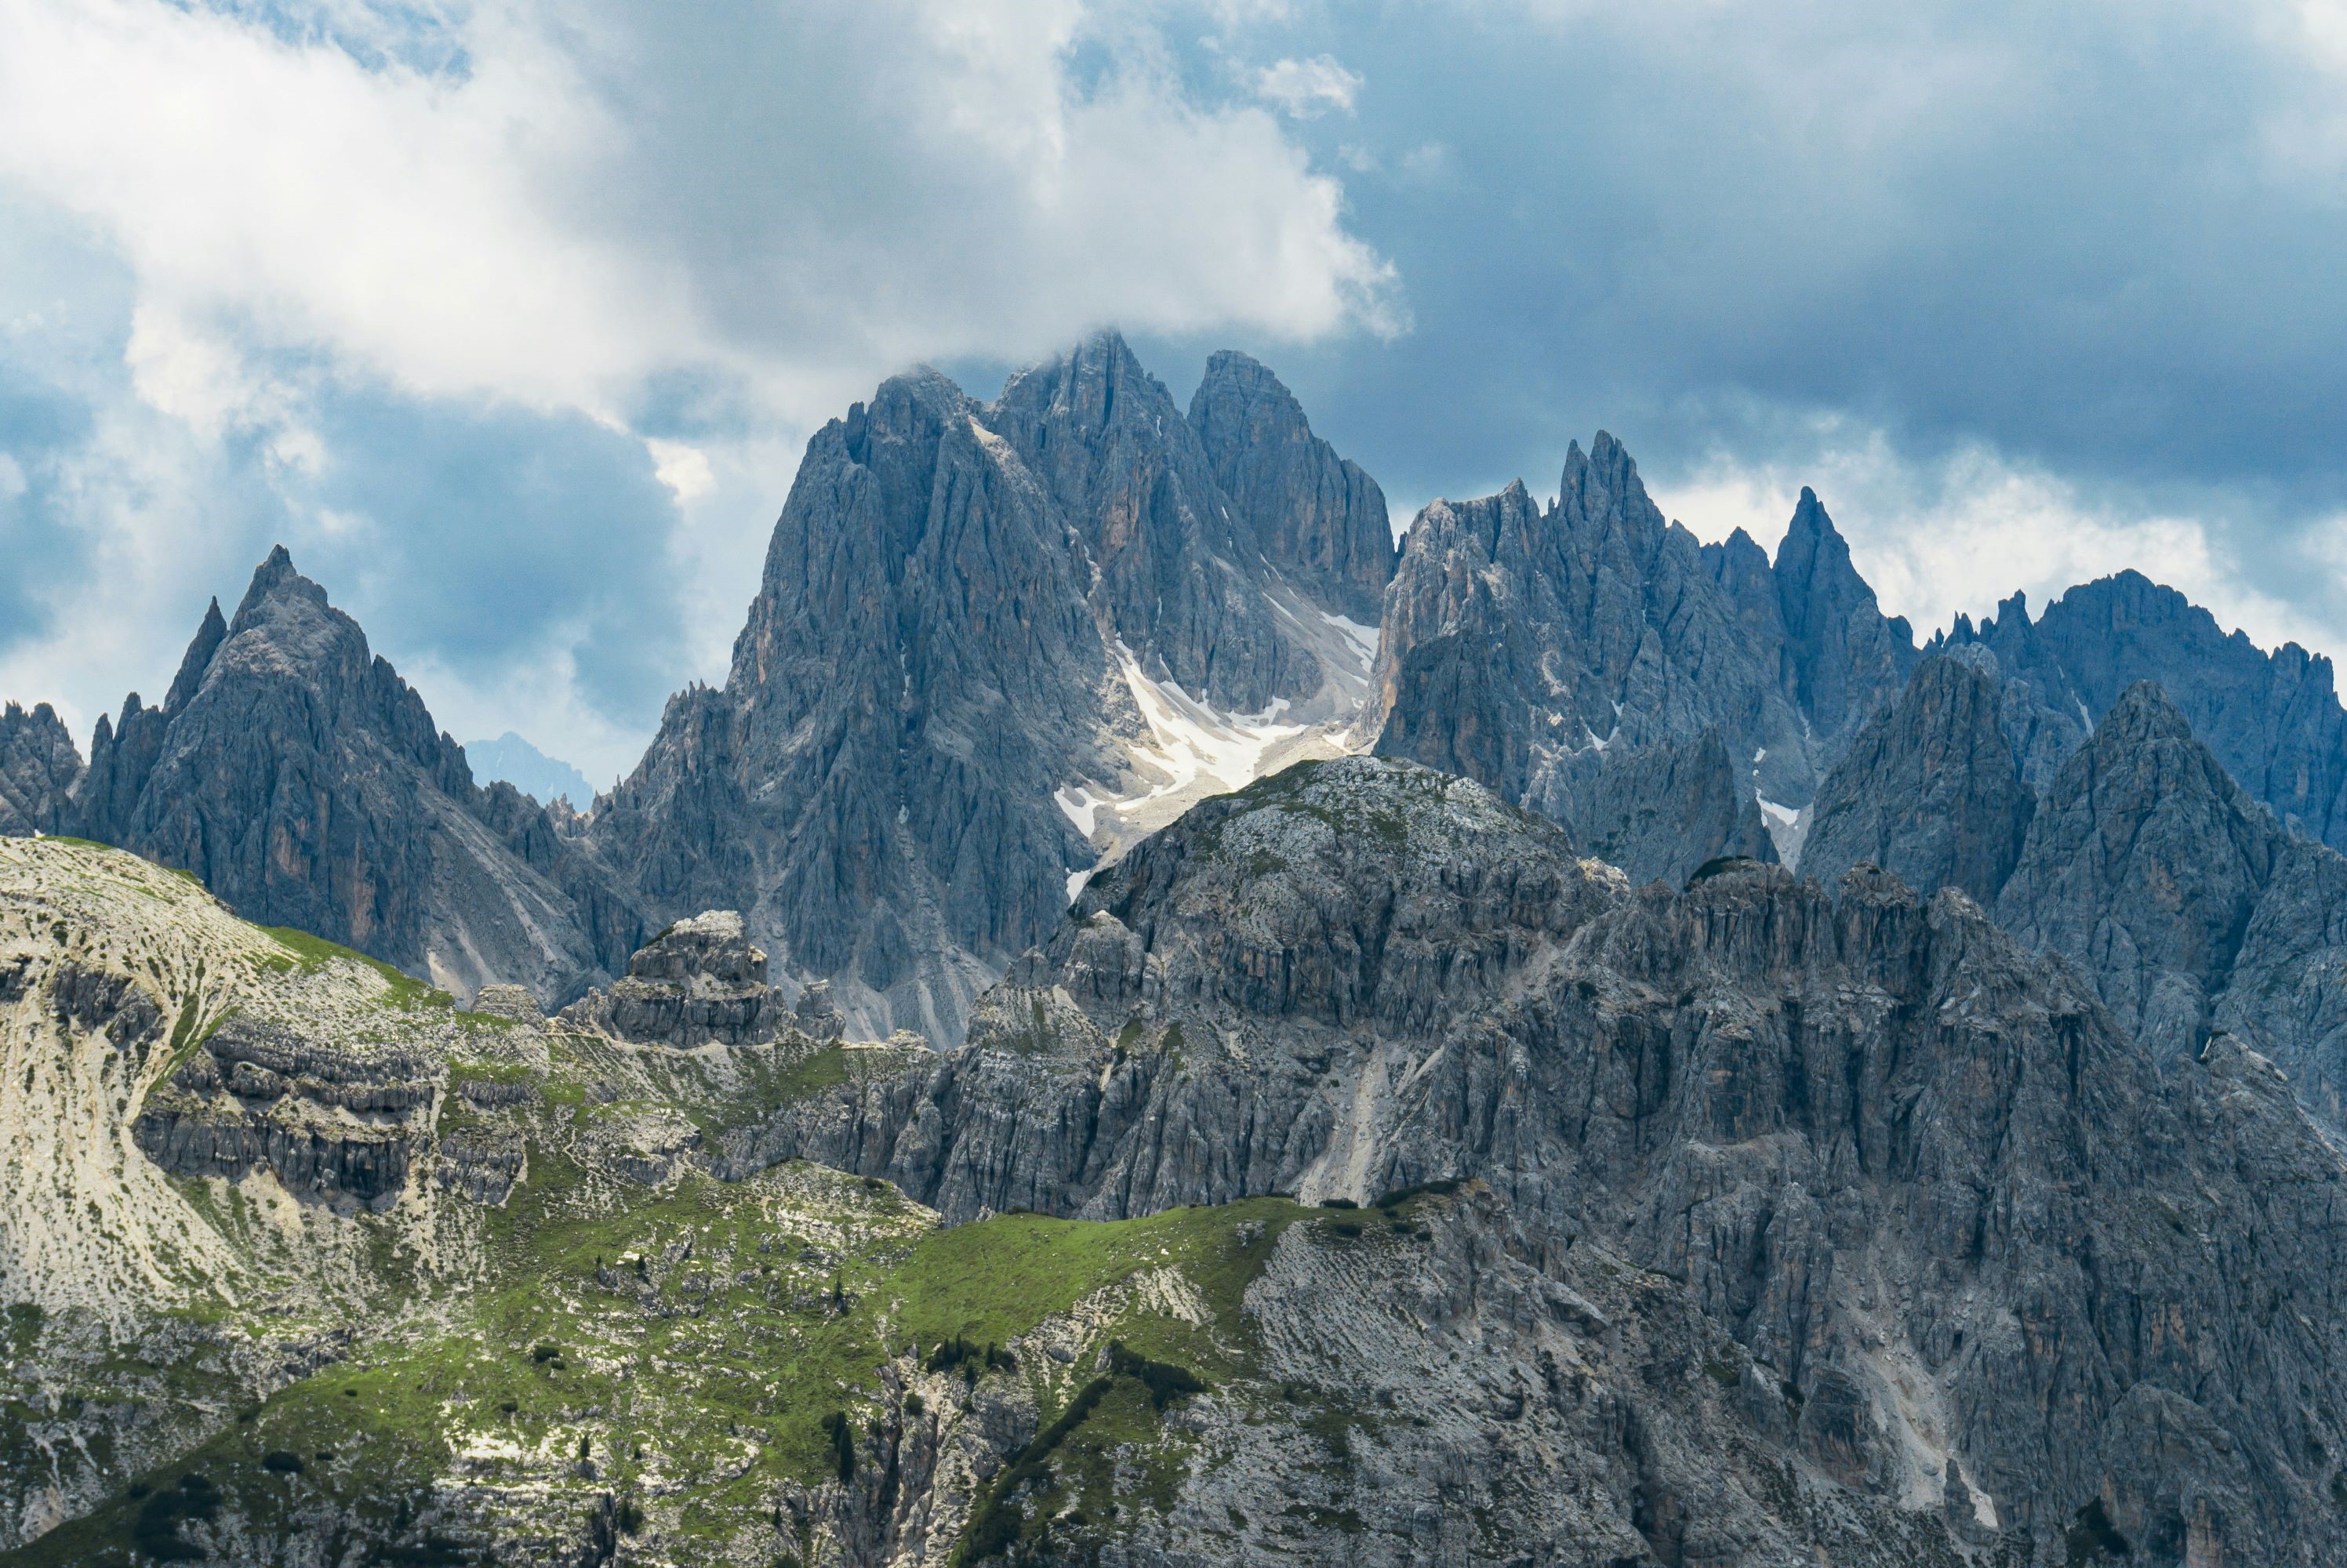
(1913, 1170)
(1316, 516)
(697, 982)
(303, 781)
(2273, 720)
(2144, 865)
(1537, 650)
(935, 650)
(1665, 809)
(1929, 790)
(39, 765)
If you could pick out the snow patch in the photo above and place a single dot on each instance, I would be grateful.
(1788, 829)
(1081, 805)
(1363, 640)
(1189, 741)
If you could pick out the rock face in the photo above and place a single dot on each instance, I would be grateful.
(1534, 650)
(342, 1127)
(2186, 905)
(38, 767)
(1318, 515)
(2195, 912)
(2144, 865)
(2273, 720)
(985, 633)
(1929, 791)
(1664, 810)
(1973, 1228)
(303, 781)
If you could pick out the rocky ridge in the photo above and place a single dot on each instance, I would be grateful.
(552, 1336)
(38, 765)
(2186, 905)
(2273, 720)
(299, 777)
(1800, 1108)
(1536, 650)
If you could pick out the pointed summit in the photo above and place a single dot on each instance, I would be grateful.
(1315, 517)
(1929, 791)
(1845, 658)
(305, 784)
(275, 582)
(199, 657)
(38, 766)
(1135, 481)
(1601, 494)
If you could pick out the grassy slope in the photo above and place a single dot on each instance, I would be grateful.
(694, 1336)
(716, 1368)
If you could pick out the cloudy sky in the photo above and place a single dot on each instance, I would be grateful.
(510, 318)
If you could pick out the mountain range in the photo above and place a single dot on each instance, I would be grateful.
(1143, 1023)
(514, 761)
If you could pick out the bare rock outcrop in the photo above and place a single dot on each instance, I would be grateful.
(1975, 1226)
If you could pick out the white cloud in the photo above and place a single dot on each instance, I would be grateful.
(545, 227)
(1305, 89)
(683, 469)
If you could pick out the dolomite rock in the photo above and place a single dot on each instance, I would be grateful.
(696, 982)
(1593, 662)
(39, 765)
(301, 780)
(963, 607)
(2273, 720)
(1929, 791)
(1913, 1168)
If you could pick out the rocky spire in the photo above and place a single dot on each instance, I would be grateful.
(1129, 474)
(1844, 659)
(39, 765)
(1600, 495)
(199, 657)
(306, 785)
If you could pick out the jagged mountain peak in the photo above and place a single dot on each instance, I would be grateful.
(39, 765)
(2143, 714)
(275, 582)
(992, 644)
(1317, 515)
(1094, 385)
(2143, 863)
(1601, 491)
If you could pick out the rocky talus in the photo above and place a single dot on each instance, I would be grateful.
(2010, 1271)
(991, 644)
